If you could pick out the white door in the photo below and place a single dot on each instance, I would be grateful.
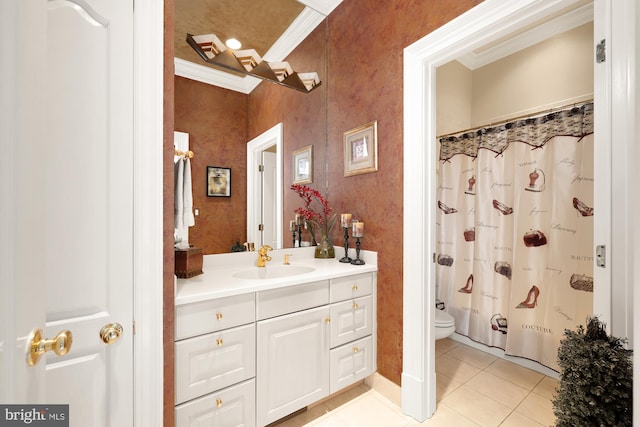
(269, 187)
(71, 206)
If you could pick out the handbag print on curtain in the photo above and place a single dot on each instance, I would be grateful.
(515, 231)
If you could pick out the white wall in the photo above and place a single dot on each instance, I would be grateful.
(551, 74)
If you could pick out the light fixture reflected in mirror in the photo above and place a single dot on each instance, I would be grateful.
(233, 43)
(248, 61)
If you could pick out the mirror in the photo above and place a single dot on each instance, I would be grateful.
(222, 111)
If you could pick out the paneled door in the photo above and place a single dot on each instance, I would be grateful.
(71, 199)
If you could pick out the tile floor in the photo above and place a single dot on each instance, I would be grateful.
(473, 388)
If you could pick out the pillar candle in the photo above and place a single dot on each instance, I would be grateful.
(298, 219)
(345, 220)
(358, 229)
(292, 225)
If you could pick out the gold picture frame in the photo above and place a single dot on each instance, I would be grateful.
(303, 165)
(361, 149)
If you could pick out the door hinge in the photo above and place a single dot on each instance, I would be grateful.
(260, 168)
(601, 256)
(434, 257)
(260, 227)
(133, 327)
(600, 52)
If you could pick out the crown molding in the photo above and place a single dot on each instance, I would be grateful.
(212, 76)
(553, 27)
(312, 15)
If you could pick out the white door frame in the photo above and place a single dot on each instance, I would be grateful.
(479, 26)
(255, 147)
(148, 153)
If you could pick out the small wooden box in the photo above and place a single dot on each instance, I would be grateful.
(188, 262)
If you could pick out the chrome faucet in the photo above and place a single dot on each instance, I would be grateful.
(262, 255)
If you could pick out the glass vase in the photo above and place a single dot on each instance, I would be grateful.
(325, 249)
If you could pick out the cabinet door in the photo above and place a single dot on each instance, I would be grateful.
(211, 362)
(350, 363)
(351, 320)
(293, 363)
(231, 407)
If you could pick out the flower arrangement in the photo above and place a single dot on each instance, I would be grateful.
(324, 220)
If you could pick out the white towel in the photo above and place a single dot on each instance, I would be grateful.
(187, 196)
(178, 188)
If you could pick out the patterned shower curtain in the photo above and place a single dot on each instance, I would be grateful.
(515, 231)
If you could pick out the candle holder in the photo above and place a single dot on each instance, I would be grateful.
(293, 236)
(299, 235)
(357, 261)
(346, 258)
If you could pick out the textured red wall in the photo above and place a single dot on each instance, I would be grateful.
(216, 121)
(366, 41)
(168, 296)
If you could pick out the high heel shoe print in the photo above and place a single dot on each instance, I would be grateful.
(532, 298)
(582, 208)
(468, 287)
(446, 209)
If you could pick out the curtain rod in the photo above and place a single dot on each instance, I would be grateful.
(523, 116)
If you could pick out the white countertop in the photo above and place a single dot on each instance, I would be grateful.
(218, 279)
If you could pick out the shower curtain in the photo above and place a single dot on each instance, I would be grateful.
(515, 231)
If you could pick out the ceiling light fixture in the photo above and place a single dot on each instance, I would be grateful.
(248, 61)
(233, 43)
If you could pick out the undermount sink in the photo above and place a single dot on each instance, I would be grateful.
(273, 272)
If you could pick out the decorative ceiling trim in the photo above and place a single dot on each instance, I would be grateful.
(213, 76)
(553, 27)
(311, 16)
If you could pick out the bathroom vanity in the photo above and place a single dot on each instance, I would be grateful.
(255, 344)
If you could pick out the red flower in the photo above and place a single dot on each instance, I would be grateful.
(323, 218)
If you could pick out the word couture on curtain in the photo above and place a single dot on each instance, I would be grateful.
(515, 231)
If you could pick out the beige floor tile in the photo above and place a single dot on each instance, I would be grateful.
(444, 417)
(445, 385)
(346, 397)
(456, 369)
(547, 387)
(538, 409)
(473, 357)
(476, 407)
(516, 374)
(517, 420)
(445, 344)
(304, 418)
(368, 411)
(498, 389)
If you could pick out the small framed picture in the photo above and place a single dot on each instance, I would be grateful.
(361, 149)
(218, 181)
(303, 165)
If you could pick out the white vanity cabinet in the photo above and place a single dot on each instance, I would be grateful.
(251, 357)
(215, 371)
(353, 350)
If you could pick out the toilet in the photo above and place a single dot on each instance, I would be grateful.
(445, 324)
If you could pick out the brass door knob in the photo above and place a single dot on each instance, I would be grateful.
(60, 345)
(111, 333)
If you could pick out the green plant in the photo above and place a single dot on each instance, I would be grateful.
(596, 379)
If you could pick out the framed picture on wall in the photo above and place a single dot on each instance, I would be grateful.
(361, 149)
(303, 165)
(218, 181)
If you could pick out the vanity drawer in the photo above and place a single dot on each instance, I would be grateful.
(214, 315)
(232, 407)
(351, 320)
(343, 288)
(276, 302)
(214, 361)
(351, 363)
